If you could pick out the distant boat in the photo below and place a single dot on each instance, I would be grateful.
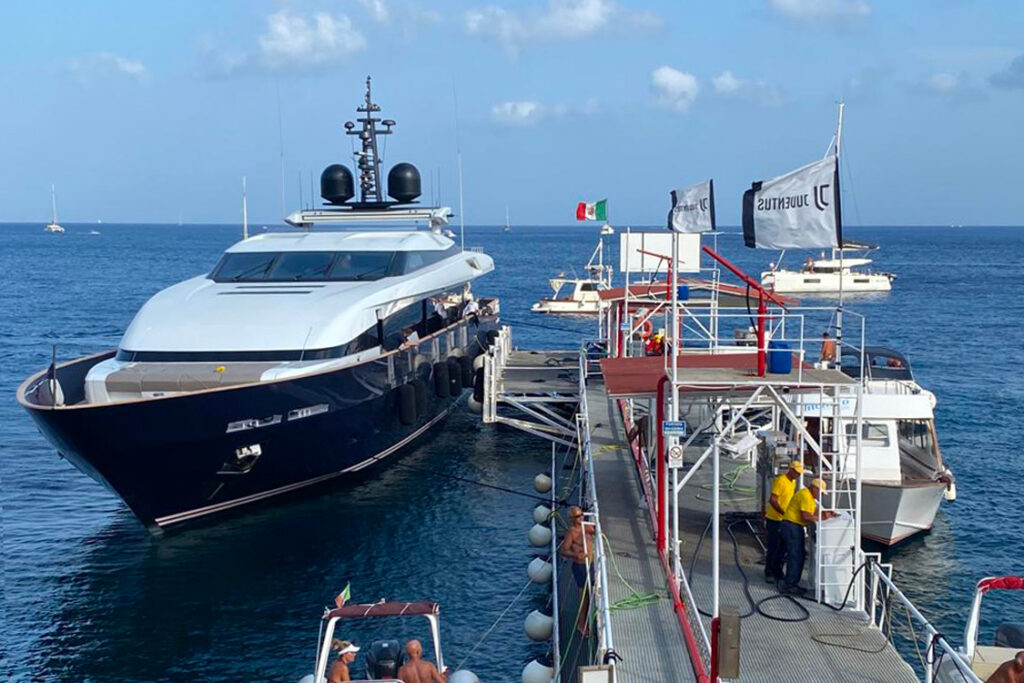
(54, 226)
(508, 226)
(94, 232)
(829, 275)
(607, 230)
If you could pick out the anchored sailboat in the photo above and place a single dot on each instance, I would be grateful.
(54, 226)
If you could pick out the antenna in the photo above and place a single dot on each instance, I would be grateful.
(368, 159)
(458, 154)
(280, 140)
(301, 193)
(245, 213)
(312, 200)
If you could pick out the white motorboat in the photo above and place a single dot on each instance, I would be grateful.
(904, 479)
(985, 659)
(54, 226)
(831, 275)
(607, 230)
(584, 292)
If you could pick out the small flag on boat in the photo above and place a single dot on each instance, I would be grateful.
(592, 211)
(344, 596)
(799, 210)
(693, 208)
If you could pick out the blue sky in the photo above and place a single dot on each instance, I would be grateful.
(139, 111)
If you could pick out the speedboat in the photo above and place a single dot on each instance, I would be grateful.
(830, 275)
(985, 659)
(300, 358)
(903, 477)
(584, 292)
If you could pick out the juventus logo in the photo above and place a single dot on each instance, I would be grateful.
(821, 196)
(704, 204)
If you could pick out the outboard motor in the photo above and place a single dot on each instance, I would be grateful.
(384, 659)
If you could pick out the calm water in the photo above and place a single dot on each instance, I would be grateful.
(90, 596)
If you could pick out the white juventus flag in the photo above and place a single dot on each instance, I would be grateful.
(693, 208)
(799, 210)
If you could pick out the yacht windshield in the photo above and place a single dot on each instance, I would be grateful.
(297, 266)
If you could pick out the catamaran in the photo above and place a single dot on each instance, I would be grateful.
(830, 275)
(54, 226)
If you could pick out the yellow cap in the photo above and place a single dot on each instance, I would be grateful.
(820, 484)
(797, 466)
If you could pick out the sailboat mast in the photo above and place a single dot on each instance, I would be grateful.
(839, 310)
(245, 213)
(53, 201)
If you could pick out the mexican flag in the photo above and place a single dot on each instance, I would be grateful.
(592, 211)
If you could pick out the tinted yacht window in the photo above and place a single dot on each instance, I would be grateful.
(301, 265)
(243, 267)
(361, 265)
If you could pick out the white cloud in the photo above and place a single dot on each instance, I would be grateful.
(725, 82)
(836, 12)
(377, 9)
(942, 83)
(727, 85)
(676, 89)
(294, 41)
(953, 86)
(104, 65)
(291, 42)
(558, 20)
(518, 113)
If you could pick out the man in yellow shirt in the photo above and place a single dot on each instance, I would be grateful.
(801, 511)
(782, 492)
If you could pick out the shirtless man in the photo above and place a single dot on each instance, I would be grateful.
(416, 669)
(577, 545)
(346, 655)
(1009, 672)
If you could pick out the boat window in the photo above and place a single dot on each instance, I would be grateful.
(301, 265)
(409, 317)
(408, 261)
(874, 434)
(361, 265)
(809, 280)
(243, 267)
(587, 287)
(917, 433)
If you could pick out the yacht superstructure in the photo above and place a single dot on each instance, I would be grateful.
(300, 357)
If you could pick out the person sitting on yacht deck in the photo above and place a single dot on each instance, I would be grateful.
(783, 489)
(471, 309)
(800, 512)
(828, 349)
(409, 338)
(809, 265)
(416, 669)
(346, 655)
(1011, 671)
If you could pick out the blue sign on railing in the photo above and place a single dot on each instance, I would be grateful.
(673, 428)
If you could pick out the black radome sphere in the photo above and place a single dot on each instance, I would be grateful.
(404, 183)
(336, 184)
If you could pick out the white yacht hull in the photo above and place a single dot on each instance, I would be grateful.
(792, 282)
(567, 307)
(893, 513)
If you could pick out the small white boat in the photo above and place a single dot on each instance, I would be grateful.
(508, 226)
(607, 230)
(1007, 642)
(904, 479)
(830, 275)
(54, 226)
(384, 657)
(584, 292)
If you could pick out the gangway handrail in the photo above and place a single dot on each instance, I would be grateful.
(936, 640)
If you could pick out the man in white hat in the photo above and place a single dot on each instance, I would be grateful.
(801, 511)
(346, 655)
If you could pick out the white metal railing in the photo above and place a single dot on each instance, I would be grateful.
(879, 577)
(600, 591)
(495, 359)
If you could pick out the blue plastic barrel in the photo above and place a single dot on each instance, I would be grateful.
(780, 358)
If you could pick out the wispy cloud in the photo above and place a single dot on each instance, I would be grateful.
(1012, 77)
(377, 9)
(675, 89)
(836, 13)
(728, 85)
(291, 42)
(97, 66)
(952, 86)
(558, 20)
(531, 112)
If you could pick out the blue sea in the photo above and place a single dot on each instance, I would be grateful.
(89, 595)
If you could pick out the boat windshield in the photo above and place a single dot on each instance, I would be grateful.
(297, 266)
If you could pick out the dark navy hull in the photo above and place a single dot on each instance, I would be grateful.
(182, 457)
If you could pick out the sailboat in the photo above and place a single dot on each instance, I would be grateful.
(508, 226)
(54, 226)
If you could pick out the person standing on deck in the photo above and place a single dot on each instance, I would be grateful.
(416, 669)
(828, 349)
(801, 511)
(578, 545)
(783, 489)
(339, 672)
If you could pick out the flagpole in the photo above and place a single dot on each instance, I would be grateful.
(839, 311)
(674, 346)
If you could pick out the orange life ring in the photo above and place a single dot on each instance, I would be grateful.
(647, 328)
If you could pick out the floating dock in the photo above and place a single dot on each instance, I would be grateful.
(652, 570)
